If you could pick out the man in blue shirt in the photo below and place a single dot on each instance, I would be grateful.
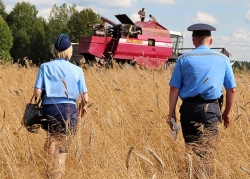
(198, 79)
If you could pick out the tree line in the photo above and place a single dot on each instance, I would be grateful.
(25, 35)
(241, 66)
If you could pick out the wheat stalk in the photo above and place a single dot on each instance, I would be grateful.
(245, 111)
(76, 149)
(66, 94)
(128, 157)
(237, 107)
(66, 87)
(245, 170)
(91, 137)
(238, 117)
(190, 166)
(154, 175)
(156, 157)
(1, 129)
(242, 108)
(157, 101)
(115, 81)
(26, 61)
(145, 159)
(247, 104)
(80, 156)
(65, 84)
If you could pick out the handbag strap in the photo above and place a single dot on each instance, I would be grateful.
(39, 100)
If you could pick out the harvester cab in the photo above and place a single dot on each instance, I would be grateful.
(177, 45)
(147, 43)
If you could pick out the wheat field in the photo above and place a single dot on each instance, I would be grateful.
(124, 133)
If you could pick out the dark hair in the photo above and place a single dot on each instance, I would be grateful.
(201, 33)
(200, 39)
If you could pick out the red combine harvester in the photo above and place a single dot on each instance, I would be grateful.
(148, 43)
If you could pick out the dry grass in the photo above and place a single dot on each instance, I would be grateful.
(123, 135)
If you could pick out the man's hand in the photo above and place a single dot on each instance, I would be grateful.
(169, 122)
(225, 119)
(173, 97)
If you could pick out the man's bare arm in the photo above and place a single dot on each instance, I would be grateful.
(230, 96)
(173, 97)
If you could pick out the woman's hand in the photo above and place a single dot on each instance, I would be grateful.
(82, 109)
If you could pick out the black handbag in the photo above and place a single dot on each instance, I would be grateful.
(33, 113)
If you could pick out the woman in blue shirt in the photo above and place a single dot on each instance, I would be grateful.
(62, 84)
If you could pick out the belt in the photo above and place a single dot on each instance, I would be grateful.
(200, 99)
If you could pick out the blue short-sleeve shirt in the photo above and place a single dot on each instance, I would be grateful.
(202, 72)
(62, 81)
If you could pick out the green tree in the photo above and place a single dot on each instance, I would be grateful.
(248, 66)
(28, 32)
(78, 23)
(6, 40)
(2, 10)
(58, 20)
(62, 13)
(237, 65)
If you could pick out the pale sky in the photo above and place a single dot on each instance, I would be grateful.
(231, 18)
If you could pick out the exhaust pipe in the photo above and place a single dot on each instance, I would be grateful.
(108, 21)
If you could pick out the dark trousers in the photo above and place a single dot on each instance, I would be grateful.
(200, 122)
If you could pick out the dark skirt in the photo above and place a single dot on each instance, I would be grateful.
(59, 118)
